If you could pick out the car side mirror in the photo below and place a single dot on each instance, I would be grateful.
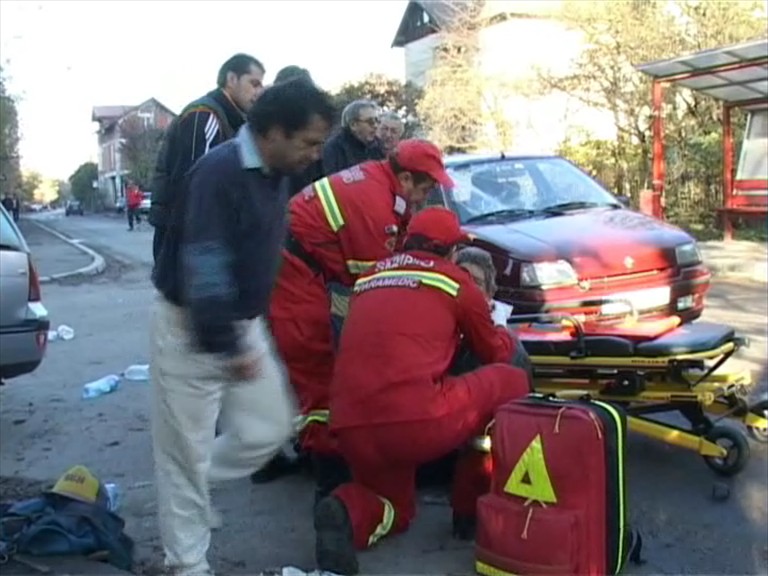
(624, 201)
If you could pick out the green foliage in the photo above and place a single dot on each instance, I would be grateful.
(462, 108)
(81, 182)
(10, 172)
(140, 149)
(30, 182)
(390, 94)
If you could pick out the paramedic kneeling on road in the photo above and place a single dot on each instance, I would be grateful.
(339, 227)
(393, 404)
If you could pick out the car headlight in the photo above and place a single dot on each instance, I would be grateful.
(687, 254)
(548, 274)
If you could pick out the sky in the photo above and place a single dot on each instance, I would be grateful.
(61, 58)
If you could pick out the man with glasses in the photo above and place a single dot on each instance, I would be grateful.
(356, 141)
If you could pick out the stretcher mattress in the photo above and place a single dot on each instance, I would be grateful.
(687, 339)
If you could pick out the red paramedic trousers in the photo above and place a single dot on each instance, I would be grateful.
(300, 320)
(383, 458)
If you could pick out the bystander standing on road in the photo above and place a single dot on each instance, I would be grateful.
(202, 125)
(390, 131)
(211, 355)
(133, 199)
(355, 142)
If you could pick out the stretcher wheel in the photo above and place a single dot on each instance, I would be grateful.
(736, 445)
(760, 434)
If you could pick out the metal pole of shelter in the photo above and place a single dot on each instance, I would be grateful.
(727, 168)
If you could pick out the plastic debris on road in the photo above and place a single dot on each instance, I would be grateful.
(137, 373)
(101, 386)
(113, 496)
(63, 332)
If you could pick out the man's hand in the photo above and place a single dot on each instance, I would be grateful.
(245, 366)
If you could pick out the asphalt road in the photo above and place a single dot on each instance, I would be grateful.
(45, 428)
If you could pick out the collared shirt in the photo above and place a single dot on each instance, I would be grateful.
(222, 257)
(250, 157)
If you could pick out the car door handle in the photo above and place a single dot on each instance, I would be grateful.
(22, 271)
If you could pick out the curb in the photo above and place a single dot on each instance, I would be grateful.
(97, 265)
(757, 272)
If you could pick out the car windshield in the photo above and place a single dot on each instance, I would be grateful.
(524, 187)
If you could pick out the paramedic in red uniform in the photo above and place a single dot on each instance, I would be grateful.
(393, 404)
(339, 226)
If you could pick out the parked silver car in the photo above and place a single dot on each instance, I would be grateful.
(24, 320)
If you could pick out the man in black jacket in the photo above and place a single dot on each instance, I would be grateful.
(211, 354)
(355, 142)
(201, 126)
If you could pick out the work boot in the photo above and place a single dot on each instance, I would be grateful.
(334, 541)
(464, 527)
(330, 472)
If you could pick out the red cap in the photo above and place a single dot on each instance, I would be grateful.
(439, 225)
(422, 156)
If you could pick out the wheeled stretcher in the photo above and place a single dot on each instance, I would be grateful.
(650, 368)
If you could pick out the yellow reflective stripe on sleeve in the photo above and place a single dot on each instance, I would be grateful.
(319, 416)
(387, 521)
(434, 279)
(488, 570)
(359, 266)
(330, 206)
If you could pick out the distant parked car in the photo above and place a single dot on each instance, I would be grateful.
(73, 207)
(24, 321)
(120, 205)
(145, 203)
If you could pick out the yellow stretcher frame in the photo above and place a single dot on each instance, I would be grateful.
(717, 395)
(683, 383)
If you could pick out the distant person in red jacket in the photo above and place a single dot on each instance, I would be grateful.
(133, 199)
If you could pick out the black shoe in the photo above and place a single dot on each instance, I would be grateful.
(277, 467)
(464, 527)
(334, 544)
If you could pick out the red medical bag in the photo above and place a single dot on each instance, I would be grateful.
(557, 503)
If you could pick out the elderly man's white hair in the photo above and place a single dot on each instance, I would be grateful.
(391, 117)
(482, 259)
(353, 109)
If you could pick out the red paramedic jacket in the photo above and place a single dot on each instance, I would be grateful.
(405, 323)
(348, 221)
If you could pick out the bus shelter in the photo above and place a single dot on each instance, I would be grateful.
(737, 76)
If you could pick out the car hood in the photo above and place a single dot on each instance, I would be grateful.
(600, 242)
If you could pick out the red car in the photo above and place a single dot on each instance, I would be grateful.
(563, 243)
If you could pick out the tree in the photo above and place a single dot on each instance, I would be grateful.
(30, 183)
(140, 148)
(620, 34)
(81, 182)
(10, 172)
(463, 108)
(390, 94)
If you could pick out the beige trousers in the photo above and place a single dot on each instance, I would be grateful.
(191, 391)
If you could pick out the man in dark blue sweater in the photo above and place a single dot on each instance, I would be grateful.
(211, 355)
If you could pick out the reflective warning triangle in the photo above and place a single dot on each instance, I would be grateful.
(529, 478)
